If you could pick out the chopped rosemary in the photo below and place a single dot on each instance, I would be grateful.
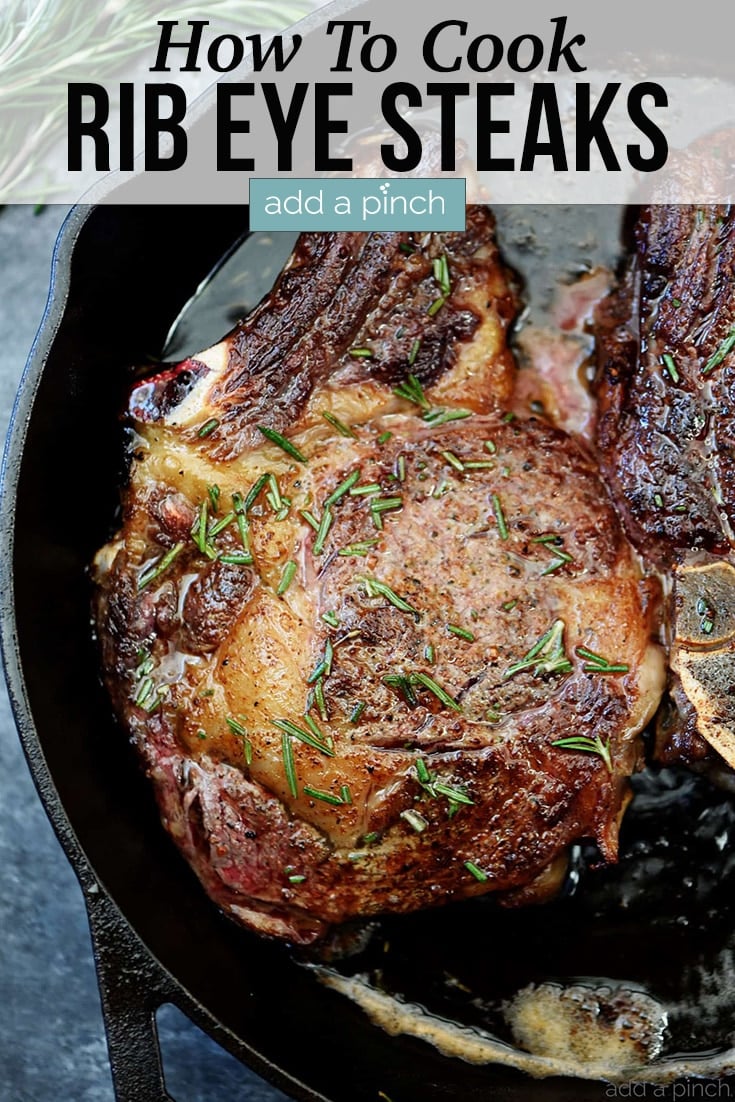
(491, 447)
(199, 533)
(415, 820)
(237, 558)
(546, 656)
(440, 693)
(340, 426)
(375, 588)
(415, 349)
(296, 878)
(323, 667)
(317, 742)
(508, 606)
(357, 711)
(402, 684)
(366, 489)
(658, 501)
(441, 275)
(595, 663)
(500, 517)
(361, 353)
(463, 633)
(384, 437)
(454, 795)
(383, 505)
(319, 700)
(587, 746)
(281, 442)
(331, 618)
(476, 871)
(221, 524)
(236, 727)
(368, 839)
(214, 492)
(413, 391)
(401, 468)
(453, 461)
(442, 416)
(310, 519)
(208, 427)
(555, 565)
(329, 797)
(409, 250)
(288, 764)
(241, 732)
(436, 306)
(725, 348)
(430, 654)
(344, 487)
(157, 568)
(323, 531)
(287, 576)
(243, 528)
(255, 492)
(358, 550)
(670, 366)
(479, 464)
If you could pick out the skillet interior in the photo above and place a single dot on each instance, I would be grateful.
(131, 271)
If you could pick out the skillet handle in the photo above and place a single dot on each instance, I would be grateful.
(132, 987)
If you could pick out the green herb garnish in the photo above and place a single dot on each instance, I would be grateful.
(323, 531)
(546, 656)
(375, 588)
(595, 663)
(289, 765)
(358, 550)
(476, 871)
(415, 820)
(208, 427)
(384, 437)
(587, 746)
(287, 576)
(340, 426)
(316, 741)
(500, 517)
(441, 275)
(328, 797)
(214, 492)
(415, 348)
(361, 353)
(670, 366)
(440, 693)
(331, 618)
(281, 442)
(343, 488)
(255, 492)
(463, 633)
(726, 347)
(159, 567)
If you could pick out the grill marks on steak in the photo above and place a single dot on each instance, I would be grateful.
(209, 656)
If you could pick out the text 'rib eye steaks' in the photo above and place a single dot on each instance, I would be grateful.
(379, 646)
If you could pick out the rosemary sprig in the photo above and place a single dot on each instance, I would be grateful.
(200, 531)
(670, 365)
(595, 663)
(340, 426)
(440, 693)
(463, 633)
(500, 517)
(325, 524)
(476, 871)
(287, 576)
(587, 745)
(415, 820)
(317, 742)
(255, 492)
(214, 492)
(441, 275)
(375, 588)
(329, 797)
(359, 549)
(546, 656)
(725, 348)
(344, 487)
(281, 442)
(208, 427)
(289, 765)
(159, 567)
(243, 528)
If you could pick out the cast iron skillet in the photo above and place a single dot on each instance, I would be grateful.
(120, 277)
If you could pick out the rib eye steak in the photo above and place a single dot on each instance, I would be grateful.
(666, 432)
(379, 644)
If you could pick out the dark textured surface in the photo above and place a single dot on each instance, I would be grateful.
(52, 1044)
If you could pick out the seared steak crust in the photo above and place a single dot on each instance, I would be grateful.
(363, 717)
(666, 418)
